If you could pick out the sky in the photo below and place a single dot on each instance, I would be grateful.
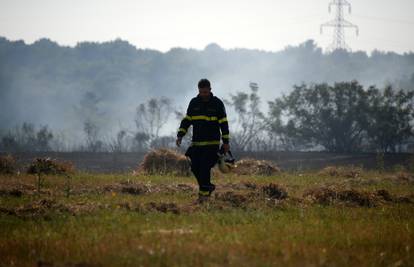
(268, 25)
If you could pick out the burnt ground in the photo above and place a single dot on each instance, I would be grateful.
(296, 161)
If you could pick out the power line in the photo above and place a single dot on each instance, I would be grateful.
(386, 19)
(339, 24)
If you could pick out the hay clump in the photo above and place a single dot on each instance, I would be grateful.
(327, 196)
(274, 191)
(256, 167)
(8, 165)
(50, 166)
(164, 161)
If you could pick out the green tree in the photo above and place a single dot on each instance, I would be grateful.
(390, 116)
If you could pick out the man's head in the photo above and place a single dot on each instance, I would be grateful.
(204, 89)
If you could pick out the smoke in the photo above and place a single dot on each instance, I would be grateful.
(103, 83)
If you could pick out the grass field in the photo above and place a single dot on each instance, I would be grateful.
(363, 219)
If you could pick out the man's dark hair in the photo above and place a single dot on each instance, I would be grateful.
(204, 83)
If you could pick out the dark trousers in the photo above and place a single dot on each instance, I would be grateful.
(203, 158)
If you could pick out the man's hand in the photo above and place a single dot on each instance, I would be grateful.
(226, 148)
(178, 141)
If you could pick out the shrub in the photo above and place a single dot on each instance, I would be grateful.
(7, 165)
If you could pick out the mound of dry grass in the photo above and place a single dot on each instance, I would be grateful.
(274, 191)
(50, 166)
(326, 196)
(8, 165)
(256, 167)
(331, 195)
(164, 161)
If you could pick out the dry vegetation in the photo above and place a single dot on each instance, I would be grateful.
(256, 167)
(323, 218)
(167, 161)
(50, 166)
(164, 161)
(8, 165)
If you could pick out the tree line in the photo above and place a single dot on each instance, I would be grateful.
(66, 87)
(343, 117)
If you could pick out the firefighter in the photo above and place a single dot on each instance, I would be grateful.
(207, 114)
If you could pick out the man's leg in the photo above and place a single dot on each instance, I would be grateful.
(196, 159)
(208, 161)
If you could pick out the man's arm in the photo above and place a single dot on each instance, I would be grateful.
(184, 125)
(224, 127)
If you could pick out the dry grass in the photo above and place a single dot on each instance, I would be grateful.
(342, 171)
(50, 166)
(332, 195)
(291, 219)
(255, 167)
(164, 161)
(8, 165)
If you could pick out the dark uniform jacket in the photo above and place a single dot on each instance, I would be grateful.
(209, 122)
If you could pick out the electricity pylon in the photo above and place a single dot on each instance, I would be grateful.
(339, 24)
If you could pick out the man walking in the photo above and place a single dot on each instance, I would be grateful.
(207, 114)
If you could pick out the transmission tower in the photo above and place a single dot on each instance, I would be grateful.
(339, 24)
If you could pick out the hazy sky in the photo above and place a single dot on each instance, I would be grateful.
(161, 24)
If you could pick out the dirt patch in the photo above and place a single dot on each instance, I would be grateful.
(256, 167)
(164, 161)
